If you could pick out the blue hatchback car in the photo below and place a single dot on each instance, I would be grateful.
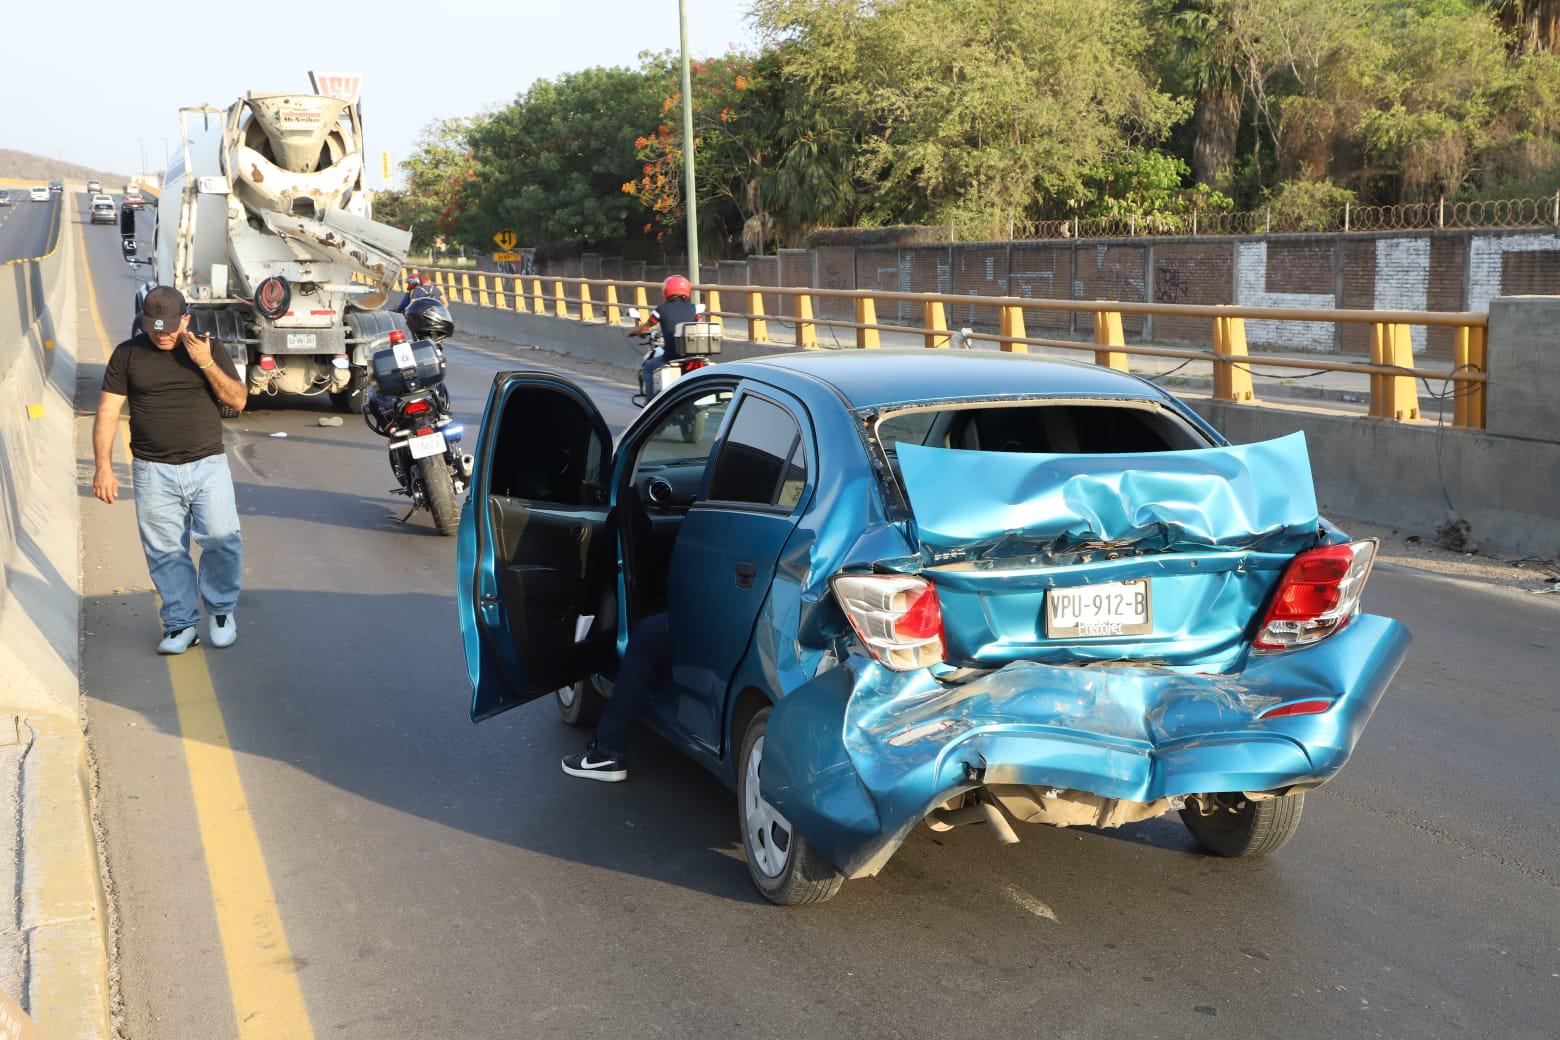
(922, 587)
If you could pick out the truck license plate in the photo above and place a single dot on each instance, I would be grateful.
(301, 340)
(1114, 608)
(428, 444)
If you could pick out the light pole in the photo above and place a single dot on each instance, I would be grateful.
(142, 146)
(690, 191)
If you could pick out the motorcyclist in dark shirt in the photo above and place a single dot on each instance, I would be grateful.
(675, 310)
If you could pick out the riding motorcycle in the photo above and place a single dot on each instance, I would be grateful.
(409, 405)
(701, 341)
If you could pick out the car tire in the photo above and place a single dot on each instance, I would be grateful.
(580, 704)
(1239, 826)
(784, 868)
(351, 399)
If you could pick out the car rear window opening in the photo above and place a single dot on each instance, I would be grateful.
(1053, 428)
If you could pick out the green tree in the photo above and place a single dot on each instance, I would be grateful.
(435, 175)
(971, 112)
(552, 163)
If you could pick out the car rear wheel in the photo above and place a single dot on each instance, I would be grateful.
(1234, 825)
(783, 866)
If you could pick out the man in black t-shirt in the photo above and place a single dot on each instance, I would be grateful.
(176, 386)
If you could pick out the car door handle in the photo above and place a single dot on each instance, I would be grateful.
(745, 573)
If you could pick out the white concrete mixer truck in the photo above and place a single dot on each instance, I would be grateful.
(265, 224)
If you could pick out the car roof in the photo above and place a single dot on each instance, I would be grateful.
(874, 378)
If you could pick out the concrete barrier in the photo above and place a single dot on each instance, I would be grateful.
(1505, 481)
(53, 948)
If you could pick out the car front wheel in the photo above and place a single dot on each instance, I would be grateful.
(1234, 825)
(783, 866)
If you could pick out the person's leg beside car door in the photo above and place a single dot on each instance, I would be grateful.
(648, 653)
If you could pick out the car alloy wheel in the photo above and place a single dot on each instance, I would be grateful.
(768, 833)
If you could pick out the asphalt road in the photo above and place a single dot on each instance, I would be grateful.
(440, 879)
(24, 226)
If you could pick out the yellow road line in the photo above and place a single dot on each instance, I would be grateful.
(267, 1000)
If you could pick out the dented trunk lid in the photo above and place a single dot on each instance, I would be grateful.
(1207, 532)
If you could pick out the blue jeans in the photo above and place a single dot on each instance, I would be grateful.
(657, 359)
(171, 504)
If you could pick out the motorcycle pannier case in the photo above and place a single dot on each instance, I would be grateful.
(391, 378)
(699, 338)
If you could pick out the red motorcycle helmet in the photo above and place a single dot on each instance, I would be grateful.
(676, 286)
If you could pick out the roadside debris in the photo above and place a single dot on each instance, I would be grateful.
(330, 420)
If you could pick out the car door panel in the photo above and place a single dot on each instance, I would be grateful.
(724, 561)
(536, 551)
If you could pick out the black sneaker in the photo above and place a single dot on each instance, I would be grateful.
(596, 764)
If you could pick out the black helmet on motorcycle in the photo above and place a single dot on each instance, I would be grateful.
(429, 319)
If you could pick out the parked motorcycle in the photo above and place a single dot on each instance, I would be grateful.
(409, 405)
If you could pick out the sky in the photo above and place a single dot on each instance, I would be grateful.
(83, 81)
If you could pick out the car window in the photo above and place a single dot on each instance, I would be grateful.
(686, 435)
(761, 460)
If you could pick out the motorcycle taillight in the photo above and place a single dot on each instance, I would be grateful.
(416, 407)
(694, 363)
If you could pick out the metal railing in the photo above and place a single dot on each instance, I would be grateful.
(1392, 370)
(1470, 214)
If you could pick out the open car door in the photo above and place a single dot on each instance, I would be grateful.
(537, 554)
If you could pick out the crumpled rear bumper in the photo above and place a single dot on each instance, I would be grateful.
(856, 758)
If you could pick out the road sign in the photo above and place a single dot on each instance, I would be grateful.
(506, 239)
(512, 258)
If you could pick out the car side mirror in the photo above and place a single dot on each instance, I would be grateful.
(633, 314)
(126, 222)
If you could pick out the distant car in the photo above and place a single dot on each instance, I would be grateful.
(5, 197)
(56, 186)
(40, 193)
(103, 210)
(93, 187)
(133, 196)
(102, 197)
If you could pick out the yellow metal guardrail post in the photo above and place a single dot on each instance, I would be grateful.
(712, 306)
(758, 328)
(1107, 333)
(1469, 354)
(465, 287)
(806, 331)
(866, 314)
(1231, 380)
(587, 309)
(1392, 397)
(560, 302)
(482, 292)
(538, 299)
(614, 312)
(936, 324)
(498, 293)
(1013, 328)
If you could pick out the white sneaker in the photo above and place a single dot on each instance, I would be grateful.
(180, 641)
(224, 629)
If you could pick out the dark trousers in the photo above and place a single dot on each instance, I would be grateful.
(649, 654)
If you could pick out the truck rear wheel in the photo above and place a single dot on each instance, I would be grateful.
(351, 399)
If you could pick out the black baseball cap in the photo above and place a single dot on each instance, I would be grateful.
(162, 310)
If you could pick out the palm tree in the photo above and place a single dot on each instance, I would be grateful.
(1205, 58)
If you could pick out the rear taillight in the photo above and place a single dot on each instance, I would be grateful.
(694, 364)
(397, 336)
(267, 362)
(416, 407)
(1286, 711)
(1318, 594)
(897, 618)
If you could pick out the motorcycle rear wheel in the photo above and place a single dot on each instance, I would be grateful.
(439, 489)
